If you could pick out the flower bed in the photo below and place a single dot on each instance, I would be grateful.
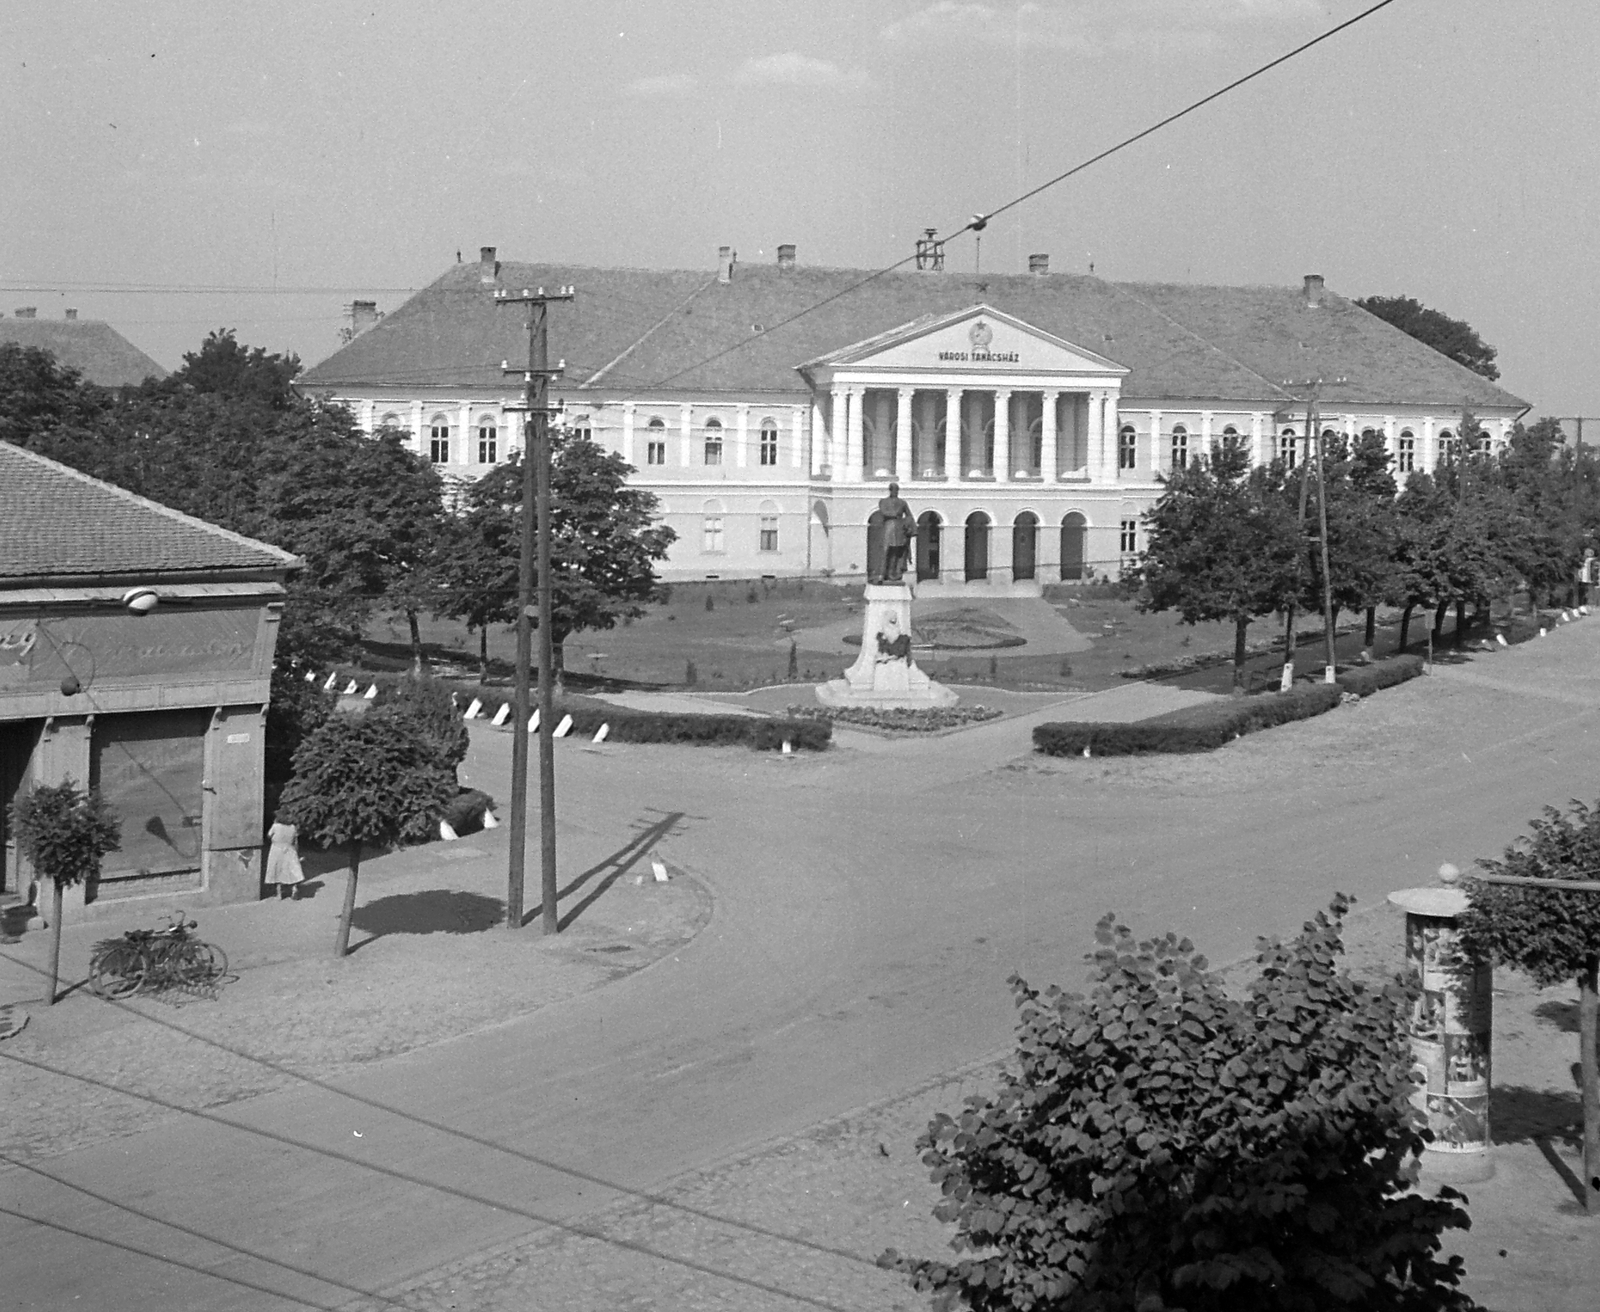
(902, 719)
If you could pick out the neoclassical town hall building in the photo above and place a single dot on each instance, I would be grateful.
(1028, 418)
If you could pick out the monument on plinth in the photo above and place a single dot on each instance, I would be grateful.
(884, 675)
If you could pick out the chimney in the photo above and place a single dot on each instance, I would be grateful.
(27, 311)
(363, 314)
(1039, 263)
(1313, 290)
(72, 314)
(726, 256)
(786, 257)
(488, 266)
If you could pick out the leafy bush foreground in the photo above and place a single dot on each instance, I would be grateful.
(1159, 1144)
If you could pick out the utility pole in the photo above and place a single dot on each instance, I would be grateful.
(1314, 433)
(535, 523)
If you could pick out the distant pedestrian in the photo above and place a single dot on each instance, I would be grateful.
(283, 860)
(1586, 575)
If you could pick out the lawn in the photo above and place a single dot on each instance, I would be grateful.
(743, 641)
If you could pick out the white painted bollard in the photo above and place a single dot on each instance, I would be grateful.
(1583, 610)
(1501, 639)
(1541, 631)
(788, 747)
(489, 822)
(500, 715)
(471, 713)
(658, 869)
(371, 693)
(533, 721)
(311, 676)
(1086, 749)
(333, 678)
(602, 733)
(353, 689)
(564, 728)
(446, 832)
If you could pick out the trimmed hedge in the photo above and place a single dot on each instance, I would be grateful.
(1192, 729)
(631, 726)
(1364, 680)
(902, 719)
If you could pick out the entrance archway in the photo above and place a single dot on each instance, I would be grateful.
(929, 531)
(1024, 545)
(1073, 528)
(977, 545)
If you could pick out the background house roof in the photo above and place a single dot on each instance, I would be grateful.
(58, 523)
(94, 348)
(678, 331)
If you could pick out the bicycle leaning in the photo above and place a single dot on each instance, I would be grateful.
(149, 960)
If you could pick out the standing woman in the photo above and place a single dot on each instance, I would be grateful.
(283, 860)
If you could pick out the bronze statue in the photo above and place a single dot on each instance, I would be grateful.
(899, 528)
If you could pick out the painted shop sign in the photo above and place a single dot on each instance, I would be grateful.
(37, 651)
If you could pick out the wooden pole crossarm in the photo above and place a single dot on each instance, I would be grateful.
(1561, 885)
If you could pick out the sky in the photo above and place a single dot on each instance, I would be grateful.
(304, 154)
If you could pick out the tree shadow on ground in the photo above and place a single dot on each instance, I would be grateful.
(1518, 1114)
(1562, 1015)
(431, 911)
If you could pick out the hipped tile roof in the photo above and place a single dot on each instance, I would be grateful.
(658, 332)
(95, 349)
(58, 523)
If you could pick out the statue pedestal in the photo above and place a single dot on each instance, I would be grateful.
(884, 675)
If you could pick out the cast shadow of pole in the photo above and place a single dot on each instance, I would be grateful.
(611, 869)
(1518, 1114)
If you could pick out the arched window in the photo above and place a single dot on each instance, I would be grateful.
(390, 420)
(1180, 446)
(1230, 438)
(1288, 447)
(1449, 447)
(439, 440)
(1024, 545)
(583, 428)
(713, 442)
(769, 443)
(768, 540)
(977, 545)
(1127, 447)
(928, 544)
(488, 441)
(713, 540)
(655, 446)
(1073, 530)
(1406, 452)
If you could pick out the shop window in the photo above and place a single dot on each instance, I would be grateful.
(713, 442)
(769, 443)
(149, 767)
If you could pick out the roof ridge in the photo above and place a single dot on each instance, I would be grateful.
(628, 350)
(190, 521)
(1122, 290)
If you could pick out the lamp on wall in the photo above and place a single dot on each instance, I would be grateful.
(141, 601)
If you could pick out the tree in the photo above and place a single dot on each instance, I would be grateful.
(604, 543)
(1361, 526)
(222, 365)
(1450, 337)
(1550, 935)
(1222, 546)
(64, 833)
(1161, 1144)
(363, 779)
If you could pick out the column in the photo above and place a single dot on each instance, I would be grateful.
(686, 434)
(1205, 432)
(418, 445)
(1002, 436)
(741, 435)
(838, 430)
(1157, 463)
(1048, 458)
(1427, 456)
(952, 434)
(1109, 427)
(1094, 454)
(853, 456)
(819, 440)
(627, 431)
(903, 469)
(797, 437)
(1257, 455)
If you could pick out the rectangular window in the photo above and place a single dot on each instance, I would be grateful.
(1287, 448)
(769, 532)
(1130, 536)
(655, 453)
(769, 446)
(713, 450)
(488, 446)
(1406, 462)
(1127, 449)
(713, 540)
(439, 445)
(1180, 448)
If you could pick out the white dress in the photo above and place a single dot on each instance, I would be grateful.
(283, 861)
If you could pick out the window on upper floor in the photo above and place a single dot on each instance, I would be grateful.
(713, 442)
(769, 443)
(583, 428)
(1288, 447)
(655, 447)
(1406, 452)
(1180, 446)
(488, 441)
(1127, 447)
(1449, 447)
(1230, 438)
(439, 440)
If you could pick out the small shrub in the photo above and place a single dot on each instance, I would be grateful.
(691, 676)
(427, 705)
